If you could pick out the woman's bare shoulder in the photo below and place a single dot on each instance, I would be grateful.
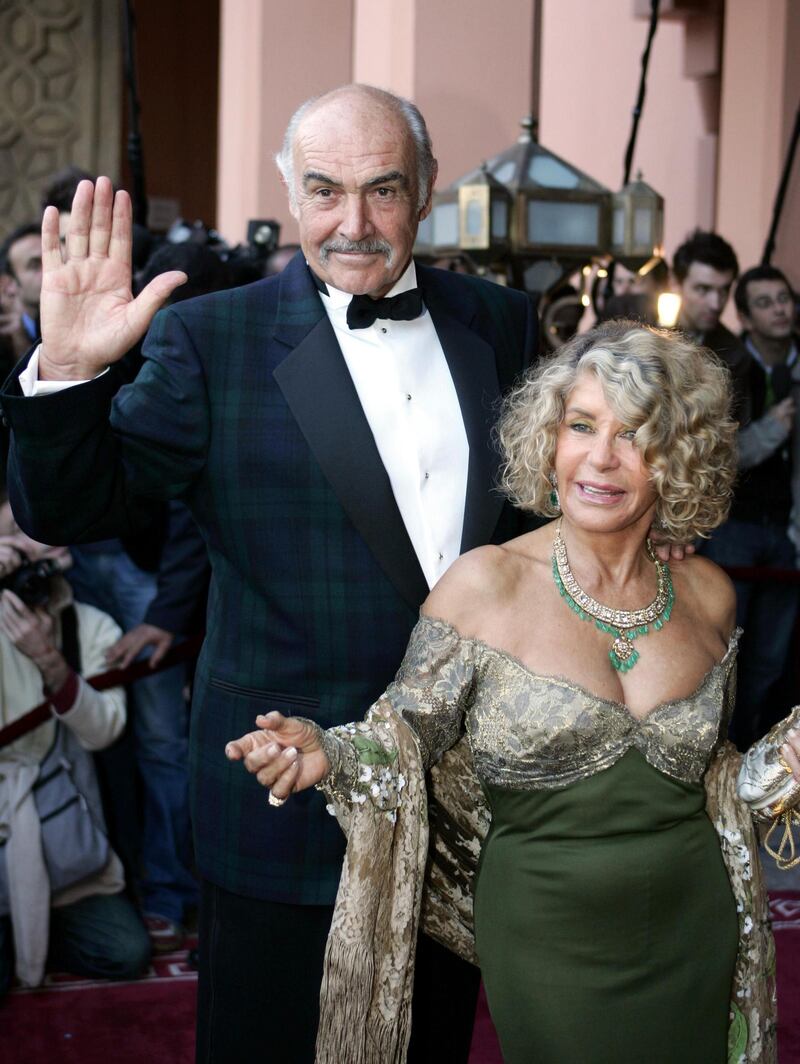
(478, 580)
(708, 591)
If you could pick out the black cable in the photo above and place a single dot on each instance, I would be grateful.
(637, 110)
(135, 153)
(777, 210)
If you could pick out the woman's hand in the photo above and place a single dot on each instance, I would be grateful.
(790, 752)
(284, 755)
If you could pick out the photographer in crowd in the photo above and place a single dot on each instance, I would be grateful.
(61, 885)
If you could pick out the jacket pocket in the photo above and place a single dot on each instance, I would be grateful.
(284, 698)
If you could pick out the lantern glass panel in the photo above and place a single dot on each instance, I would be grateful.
(570, 224)
(473, 219)
(643, 227)
(445, 224)
(505, 171)
(500, 219)
(550, 173)
(618, 227)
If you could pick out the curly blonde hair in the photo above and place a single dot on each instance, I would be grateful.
(675, 393)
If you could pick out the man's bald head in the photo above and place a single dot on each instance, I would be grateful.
(363, 100)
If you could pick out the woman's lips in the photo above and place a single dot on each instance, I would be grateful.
(603, 494)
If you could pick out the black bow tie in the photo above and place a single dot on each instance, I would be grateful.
(362, 310)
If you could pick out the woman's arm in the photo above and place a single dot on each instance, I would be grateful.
(358, 762)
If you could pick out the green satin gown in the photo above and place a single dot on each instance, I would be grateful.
(617, 886)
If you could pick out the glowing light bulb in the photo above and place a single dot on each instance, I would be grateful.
(669, 307)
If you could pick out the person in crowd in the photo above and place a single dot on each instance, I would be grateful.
(329, 430)
(764, 512)
(21, 266)
(62, 900)
(588, 687)
(279, 259)
(704, 268)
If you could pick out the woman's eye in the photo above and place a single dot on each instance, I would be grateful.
(628, 434)
(580, 426)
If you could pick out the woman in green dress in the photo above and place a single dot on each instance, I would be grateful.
(594, 684)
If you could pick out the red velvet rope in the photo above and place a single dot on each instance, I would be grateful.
(185, 651)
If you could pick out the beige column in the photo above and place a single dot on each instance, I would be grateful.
(272, 57)
(760, 93)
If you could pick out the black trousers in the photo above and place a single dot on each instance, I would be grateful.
(259, 980)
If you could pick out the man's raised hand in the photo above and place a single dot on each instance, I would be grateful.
(89, 317)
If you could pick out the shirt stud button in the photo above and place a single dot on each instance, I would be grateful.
(383, 328)
(441, 556)
(408, 396)
(427, 476)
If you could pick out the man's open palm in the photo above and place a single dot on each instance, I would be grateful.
(89, 317)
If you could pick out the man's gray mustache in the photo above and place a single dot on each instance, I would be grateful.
(365, 247)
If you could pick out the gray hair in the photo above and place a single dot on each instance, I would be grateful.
(410, 113)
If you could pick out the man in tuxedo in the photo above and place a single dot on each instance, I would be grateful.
(329, 430)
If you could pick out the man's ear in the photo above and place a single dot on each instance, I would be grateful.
(426, 210)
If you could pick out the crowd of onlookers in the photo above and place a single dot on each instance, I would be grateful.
(95, 847)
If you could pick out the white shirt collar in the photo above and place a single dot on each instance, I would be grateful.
(404, 283)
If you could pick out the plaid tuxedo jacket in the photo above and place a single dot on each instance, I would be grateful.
(245, 410)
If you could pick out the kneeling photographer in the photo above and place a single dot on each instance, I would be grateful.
(61, 885)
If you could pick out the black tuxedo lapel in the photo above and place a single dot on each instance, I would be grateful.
(473, 367)
(320, 393)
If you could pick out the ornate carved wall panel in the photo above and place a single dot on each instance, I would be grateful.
(59, 96)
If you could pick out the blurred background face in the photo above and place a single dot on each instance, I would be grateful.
(624, 280)
(25, 261)
(704, 292)
(770, 307)
(33, 550)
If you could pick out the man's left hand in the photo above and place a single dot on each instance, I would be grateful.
(129, 646)
(668, 552)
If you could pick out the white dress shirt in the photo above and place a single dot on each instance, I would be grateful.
(407, 393)
(409, 400)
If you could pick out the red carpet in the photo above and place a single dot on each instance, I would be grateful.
(76, 1021)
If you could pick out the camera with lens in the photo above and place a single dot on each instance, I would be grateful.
(32, 580)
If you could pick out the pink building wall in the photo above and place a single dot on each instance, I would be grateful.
(469, 66)
(590, 76)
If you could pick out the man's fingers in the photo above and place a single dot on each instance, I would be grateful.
(142, 310)
(51, 240)
(100, 231)
(120, 247)
(79, 221)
